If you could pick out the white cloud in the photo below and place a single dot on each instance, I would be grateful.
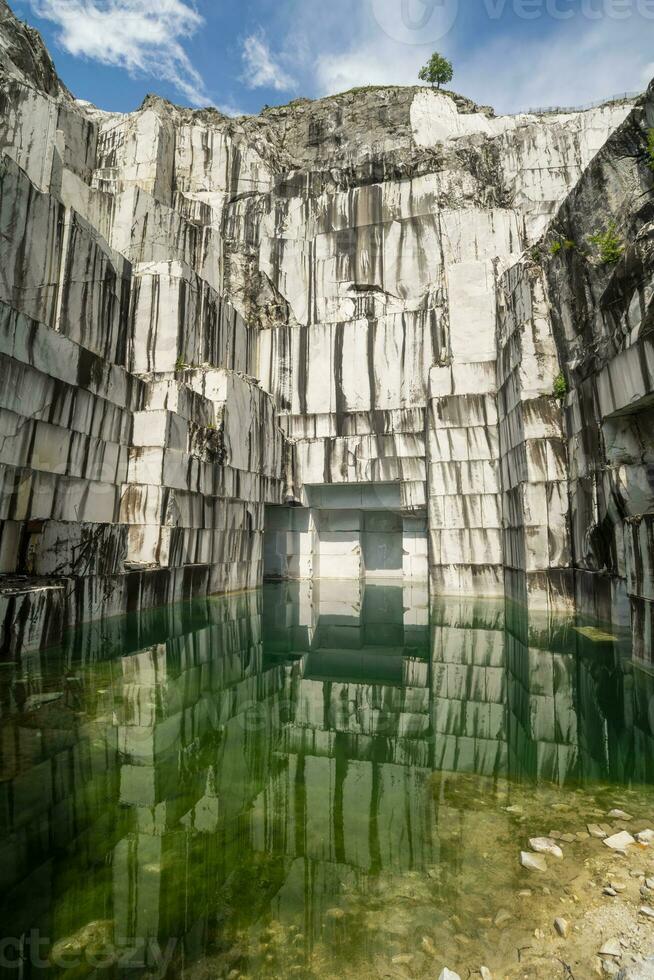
(574, 66)
(379, 63)
(498, 60)
(142, 36)
(260, 69)
(232, 109)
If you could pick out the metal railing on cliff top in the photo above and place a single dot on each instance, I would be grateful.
(544, 110)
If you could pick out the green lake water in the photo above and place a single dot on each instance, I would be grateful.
(305, 781)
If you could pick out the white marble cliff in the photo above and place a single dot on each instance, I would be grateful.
(322, 342)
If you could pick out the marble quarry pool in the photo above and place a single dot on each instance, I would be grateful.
(322, 780)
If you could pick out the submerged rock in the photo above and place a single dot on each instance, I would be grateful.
(533, 862)
(335, 914)
(611, 947)
(95, 938)
(545, 845)
(620, 842)
(639, 971)
(502, 918)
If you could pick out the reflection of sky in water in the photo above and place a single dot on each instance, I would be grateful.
(286, 756)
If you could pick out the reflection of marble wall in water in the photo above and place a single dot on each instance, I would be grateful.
(198, 714)
(542, 677)
(469, 686)
(302, 741)
(55, 763)
(521, 695)
(615, 699)
(352, 790)
(641, 759)
(155, 769)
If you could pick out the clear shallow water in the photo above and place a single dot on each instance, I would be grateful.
(310, 782)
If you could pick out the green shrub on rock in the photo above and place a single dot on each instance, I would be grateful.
(557, 247)
(609, 243)
(650, 150)
(560, 386)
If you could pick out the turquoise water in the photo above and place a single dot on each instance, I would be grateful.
(302, 781)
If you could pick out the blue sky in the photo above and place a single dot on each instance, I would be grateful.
(512, 54)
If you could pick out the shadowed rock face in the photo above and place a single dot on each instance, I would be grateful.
(346, 305)
(602, 315)
(25, 57)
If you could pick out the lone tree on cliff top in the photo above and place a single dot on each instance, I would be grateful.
(438, 70)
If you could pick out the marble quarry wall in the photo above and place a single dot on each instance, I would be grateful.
(384, 369)
(137, 449)
(602, 323)
(319, 342)
(532, 444)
